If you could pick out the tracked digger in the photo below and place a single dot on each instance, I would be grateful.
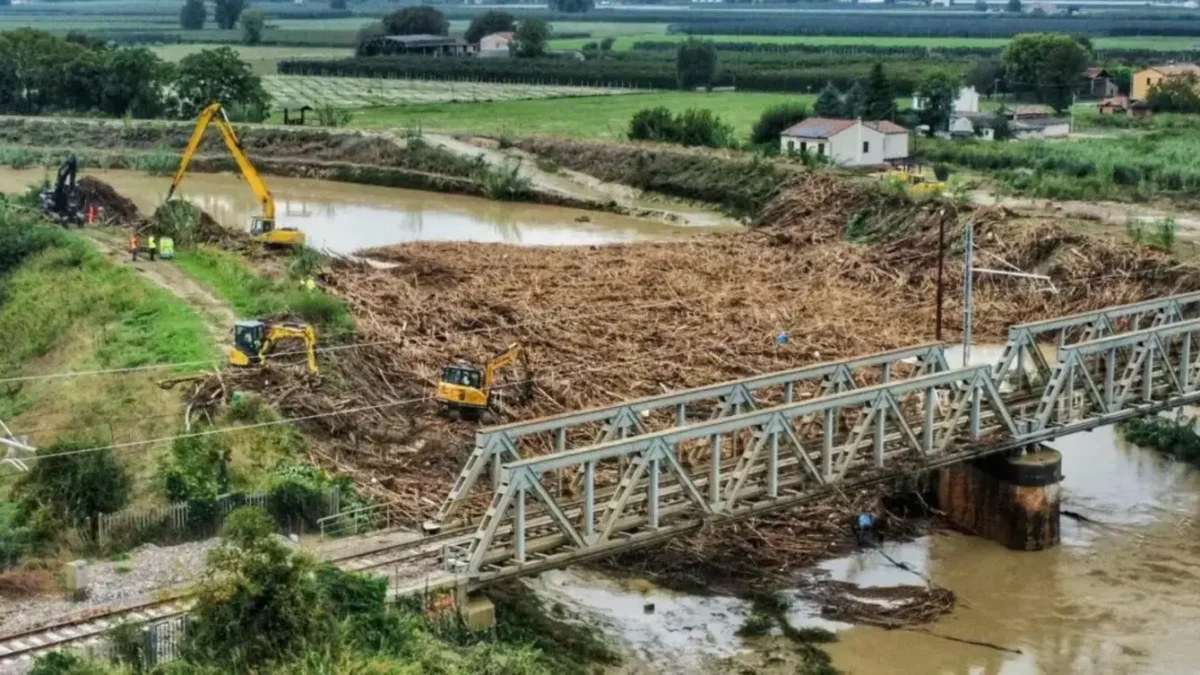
(467, 391)
(263, 228)
(254, 340)
(62, 202)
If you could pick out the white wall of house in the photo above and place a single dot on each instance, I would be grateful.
(895, 146)
(494, 45)
(1055, 131)
(966, 101)
(814, 146)
(962, 125)
(857, 145)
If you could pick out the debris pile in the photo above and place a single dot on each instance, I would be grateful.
(885, 607)
(110, 203)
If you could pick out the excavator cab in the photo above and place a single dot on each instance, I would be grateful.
(253, 340)
(466, 390)
(264, 230)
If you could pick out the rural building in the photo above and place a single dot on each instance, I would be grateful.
(1143, 80)
(495, 45)
(847, 142)
(967, 101)
(1123, 105)
(973, 124)
(1098, 83)
(429, 45)
(1043, 125)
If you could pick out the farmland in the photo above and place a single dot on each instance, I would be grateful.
(357, 92)
(594, 117)
(264, 60)
(626, 41)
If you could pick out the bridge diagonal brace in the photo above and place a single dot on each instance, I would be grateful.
(667, 457)
(991, 394)
(625, 489)
(801, 453)
(905, 429)
(555, 512)
(486, 534)
(849, 449)
(737, 480)
(958, 409)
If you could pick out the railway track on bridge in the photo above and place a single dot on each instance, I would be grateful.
(92, 625)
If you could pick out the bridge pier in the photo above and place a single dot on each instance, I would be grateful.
(1010, 499)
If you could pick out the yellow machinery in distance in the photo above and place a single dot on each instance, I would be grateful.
(466, 389)
(254, 340)
(915, 183)
(261, 227)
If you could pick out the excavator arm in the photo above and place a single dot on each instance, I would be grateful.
(211, 114)
(511, 355)
(303, 332)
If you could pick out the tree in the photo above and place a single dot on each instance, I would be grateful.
(774, 120)
(572, 6)
(71, 481)
(829, 102)
(226, 13)
(366, 35)
(607, 43)
(494, 21)
(252, 26)
(879, 96)
(699, 126)
(1175, 95)
(1013, 7)
(981, 5)
(986, 76)
(217, 75)
(854, 102)
(696, 64)
(530, 38)
(192, 15)
(133, 83)
(1046, 66)
(338, 5)
(937, 93)
(423, 20)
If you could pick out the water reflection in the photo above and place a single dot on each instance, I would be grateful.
(345, 217)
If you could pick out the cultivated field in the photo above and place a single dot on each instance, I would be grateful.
(358, 92)
(625, 41)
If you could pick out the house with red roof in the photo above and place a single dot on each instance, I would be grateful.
(847, 142)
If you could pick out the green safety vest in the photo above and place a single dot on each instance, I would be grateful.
(166, 246)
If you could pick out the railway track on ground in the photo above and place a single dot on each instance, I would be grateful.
(92, 625)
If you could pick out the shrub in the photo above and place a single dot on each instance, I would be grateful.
(699, 126)
(941, 172)
(505, 183)
(71, 481)
(653, 124)
(329, 116)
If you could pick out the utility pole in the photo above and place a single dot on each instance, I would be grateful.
(968, 289)
(941, 269)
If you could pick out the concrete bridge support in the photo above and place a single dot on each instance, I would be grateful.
(1010, 499)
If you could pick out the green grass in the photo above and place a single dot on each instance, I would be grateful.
(254, 296)
(73, 288)
(587, 117)
(603, 117)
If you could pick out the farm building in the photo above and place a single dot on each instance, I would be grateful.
(1098, 83)
(429, 45)
(1144, 80)
(847, 142)
(495, 45)
(1122, 105)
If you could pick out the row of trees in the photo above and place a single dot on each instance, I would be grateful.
(41, 73)
(530, 36)
(872, 99)
(194, 14)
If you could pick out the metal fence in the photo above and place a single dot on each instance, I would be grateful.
(357, 521)
(158, 642)
(182, 521)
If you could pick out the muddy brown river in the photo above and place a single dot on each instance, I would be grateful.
(1120, 595)
(344, 217)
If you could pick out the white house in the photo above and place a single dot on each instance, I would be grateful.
(495, 45)
(847, 142)
(967, 101)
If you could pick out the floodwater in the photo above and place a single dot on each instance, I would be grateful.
(344, 217)
(1120, 595)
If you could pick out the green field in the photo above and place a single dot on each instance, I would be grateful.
(587, 117)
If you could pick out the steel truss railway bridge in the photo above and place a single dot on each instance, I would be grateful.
(592, 483)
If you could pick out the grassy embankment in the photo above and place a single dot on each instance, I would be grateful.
(65, 307)
(1176, 439)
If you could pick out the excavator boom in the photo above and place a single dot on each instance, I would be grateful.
(214, 114)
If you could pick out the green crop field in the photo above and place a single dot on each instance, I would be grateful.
(262, 59)
(362, 92)
(591, 117)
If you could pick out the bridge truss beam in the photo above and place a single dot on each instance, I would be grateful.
(663, 483)
(560, 433)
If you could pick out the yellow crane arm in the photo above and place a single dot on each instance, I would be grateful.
(510, 355)
(232, 142)
(282, 332)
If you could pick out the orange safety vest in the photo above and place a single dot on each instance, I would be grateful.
(133, 243)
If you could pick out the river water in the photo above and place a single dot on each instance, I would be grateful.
(345, 217)
(1120, 595)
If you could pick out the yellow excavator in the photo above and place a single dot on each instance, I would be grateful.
(254, 340)
(261, 227)
(466, 390)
